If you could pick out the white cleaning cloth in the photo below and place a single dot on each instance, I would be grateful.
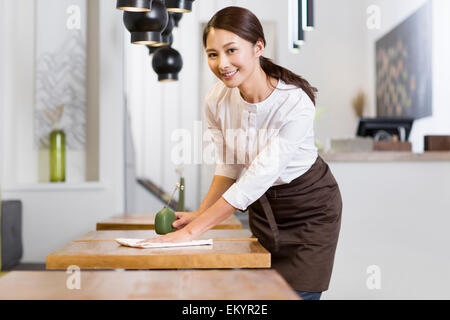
(149, 245)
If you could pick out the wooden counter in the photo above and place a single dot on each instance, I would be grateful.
(217, 235)
(111, 255)
(148, 285)
(147, 222)
(386, 156)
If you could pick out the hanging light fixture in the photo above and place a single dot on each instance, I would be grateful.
(146, 27)
(308, 15)
(166, 36)
(180, 6)
(152, 49)
(134, 5)
(167, 33)
(176, 17)
(167, 63)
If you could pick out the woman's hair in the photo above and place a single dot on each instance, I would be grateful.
(246, 25)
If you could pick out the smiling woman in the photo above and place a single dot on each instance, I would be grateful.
(293, 200)
(297, 223)
(241, 52)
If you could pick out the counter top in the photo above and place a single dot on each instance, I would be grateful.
(147, 222)
(145, 285)
(386, 156)
(111, 255)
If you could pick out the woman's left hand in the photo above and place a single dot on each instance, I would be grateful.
(177, 236)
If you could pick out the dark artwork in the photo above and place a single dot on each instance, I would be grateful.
(403, 67)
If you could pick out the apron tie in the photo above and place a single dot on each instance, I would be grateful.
(271, 218)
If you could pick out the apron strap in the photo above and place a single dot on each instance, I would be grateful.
(271, 218)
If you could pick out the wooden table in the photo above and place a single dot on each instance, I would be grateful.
(217, 235)
(147, 222)
(154, 285)
(111, 255)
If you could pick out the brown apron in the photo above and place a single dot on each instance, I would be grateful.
(299, 224)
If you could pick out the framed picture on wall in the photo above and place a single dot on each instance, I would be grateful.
(404, 68)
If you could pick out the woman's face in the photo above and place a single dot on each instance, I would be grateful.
(231, 58)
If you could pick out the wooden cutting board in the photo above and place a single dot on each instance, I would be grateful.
(111, 255)
(148, 285)
(217, 235)
(147, 222)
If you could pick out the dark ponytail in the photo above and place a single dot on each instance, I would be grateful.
(246, 25)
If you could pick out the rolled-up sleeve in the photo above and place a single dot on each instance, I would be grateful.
(268, 165)
(222, 168)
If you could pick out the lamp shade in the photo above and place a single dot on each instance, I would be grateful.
(146, 27)
(180, 6)
(167, 63)
(176, 18)
(152, 49)
(167, 32)
(134, 5)
(166, 35)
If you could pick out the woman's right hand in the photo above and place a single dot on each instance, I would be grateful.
(184, 218)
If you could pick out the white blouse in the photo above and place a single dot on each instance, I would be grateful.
(271, 141)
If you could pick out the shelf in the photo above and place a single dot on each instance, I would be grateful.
(58, 186)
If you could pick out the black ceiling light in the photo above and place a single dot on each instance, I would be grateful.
(166, 34)
(167, 63)
(146, 27)
(176, 17)
(134, 5)
(180, 6)
(152, 49)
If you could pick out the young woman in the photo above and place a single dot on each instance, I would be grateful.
(293, 200)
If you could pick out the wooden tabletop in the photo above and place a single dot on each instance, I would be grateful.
(217, 235)
(147, 222)
(153, 285)
(111, 255)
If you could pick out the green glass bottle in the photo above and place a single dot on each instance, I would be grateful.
(57, 156)
(163, 221)
(166, 217)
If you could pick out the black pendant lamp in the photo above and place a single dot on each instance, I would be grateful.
(180, 6)
(167, 63)
(152, 49)
(134, 5)
(167, 33)
(166, 36)
(176, 18)
(308, 15)
(146, 27)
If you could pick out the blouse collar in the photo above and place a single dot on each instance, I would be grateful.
(259, 106)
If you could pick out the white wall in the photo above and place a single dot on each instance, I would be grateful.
(393, 13)
(395, 216)
(53, 215)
